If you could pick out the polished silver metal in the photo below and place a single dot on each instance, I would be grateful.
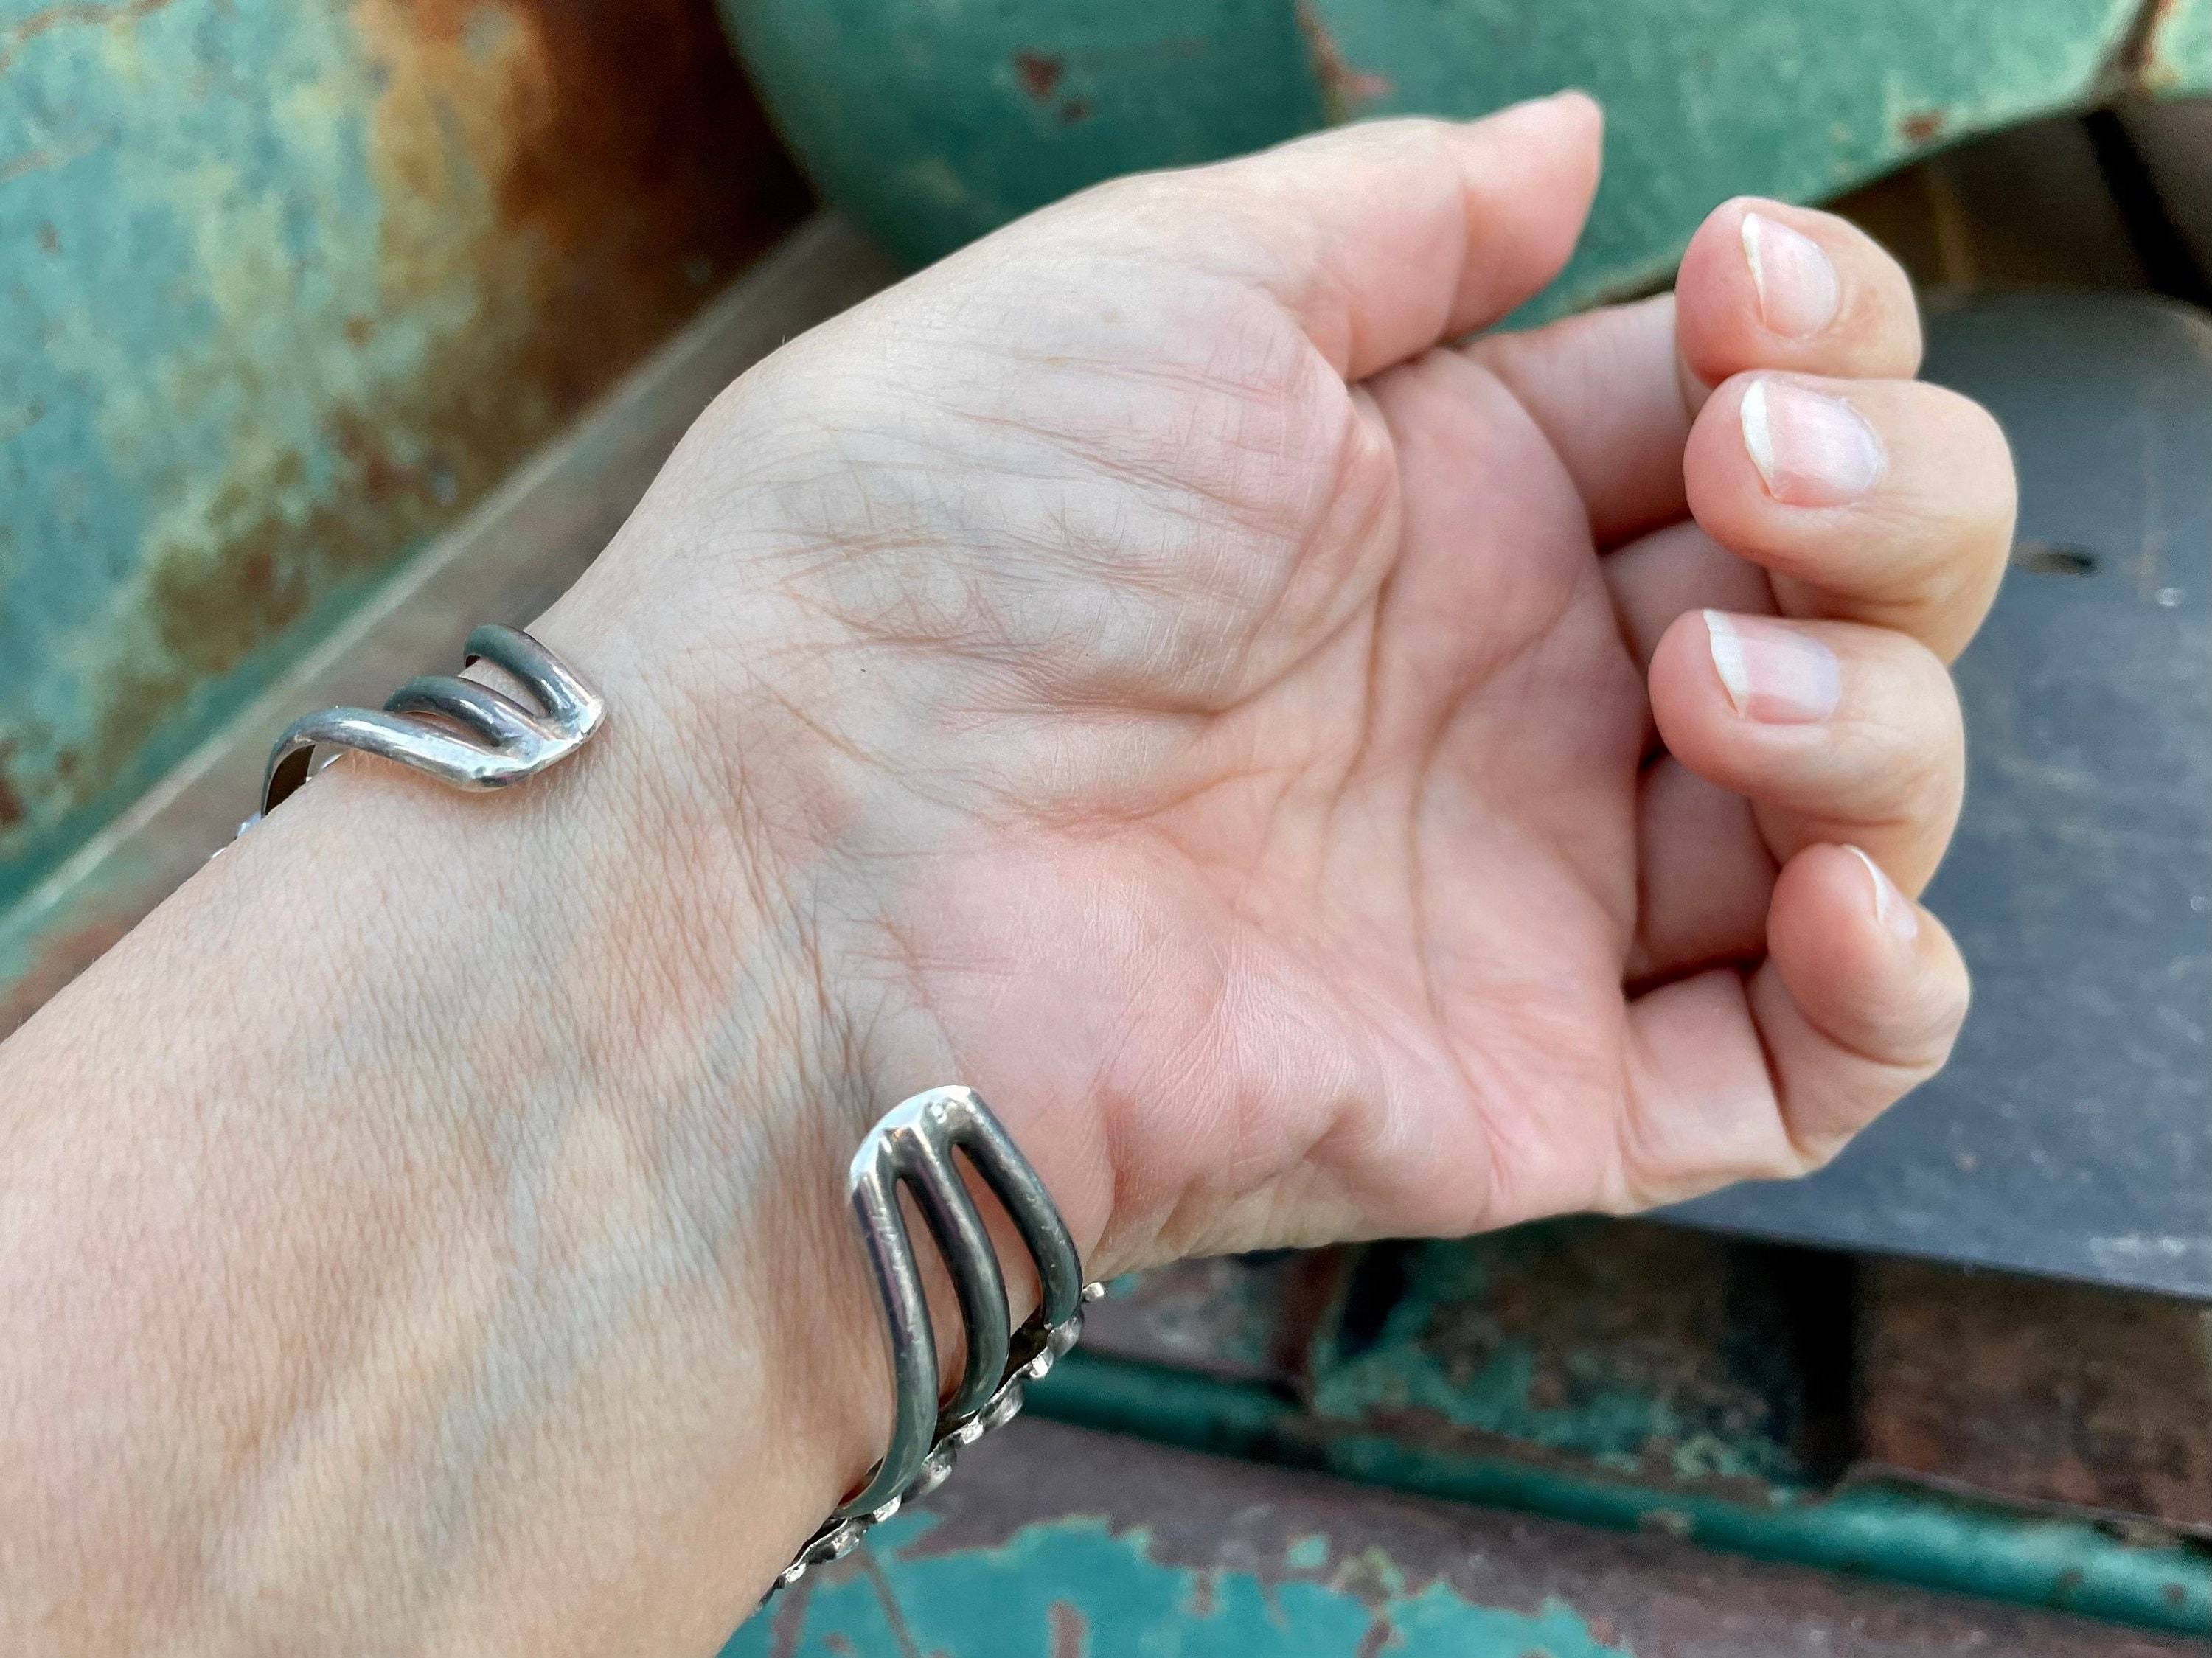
(913, 1145)
(498, 741)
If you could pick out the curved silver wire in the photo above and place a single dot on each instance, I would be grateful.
(498, 741)
(913, 1145)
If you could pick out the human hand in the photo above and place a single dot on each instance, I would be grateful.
(1134, 668)
(1277, 755)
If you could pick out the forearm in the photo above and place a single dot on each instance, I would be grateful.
(413, 1238)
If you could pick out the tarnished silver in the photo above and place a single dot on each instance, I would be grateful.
(913, 1145)
(498, 741)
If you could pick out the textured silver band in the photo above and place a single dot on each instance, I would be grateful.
(498, 741)
(913, 1145)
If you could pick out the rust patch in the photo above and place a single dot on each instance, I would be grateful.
(1345, 91)
(1922, 125)
(1070, 1630)
(1039, 72)
(1075, 110)
(2080, 1398)
(2142, 62)
(628, 168)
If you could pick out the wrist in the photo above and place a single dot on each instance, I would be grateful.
(742, 764)
(486, 1155)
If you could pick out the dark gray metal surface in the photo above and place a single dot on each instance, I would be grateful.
(2072, 1134)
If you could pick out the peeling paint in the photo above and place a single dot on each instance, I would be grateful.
(307, 281)
(1014, 1600)
(2149, 1579)
(1346, 92)
(1606, 1343)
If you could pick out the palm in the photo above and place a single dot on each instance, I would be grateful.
(1239, 757)
(1347, 816)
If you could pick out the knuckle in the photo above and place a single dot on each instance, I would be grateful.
(1926, 768)
(1957, 420)
(1957, 1001)
(1929, 1020)
(1811, 1153)
(1922, 785)
(1942, 1009)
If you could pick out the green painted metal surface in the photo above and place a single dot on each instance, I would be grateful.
(284, 288)
(1637, 1349)
(1631, 1375)
(1880, 1531)
(933, 124)
(1621, 1375)
(1021, 1598)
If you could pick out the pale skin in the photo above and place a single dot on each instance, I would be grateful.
(1142, 668)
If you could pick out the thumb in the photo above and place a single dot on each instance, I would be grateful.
(1385, 237)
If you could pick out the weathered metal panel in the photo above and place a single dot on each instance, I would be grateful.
(1708, 99)
(1907, 1535)
(1649, 1353)
(1052, 1542)
(1665, 1356)
(285, 287)
(932, 124)
(506, 560)
(1632, 1375)
(2029, 1391)
(1249, 1318)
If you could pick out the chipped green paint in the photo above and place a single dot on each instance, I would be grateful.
(1076, 1585)
(1606, 1342)
(1905, 1535)
(2177, 56)
(932, 124)
(1307, 1553)
(287, 287)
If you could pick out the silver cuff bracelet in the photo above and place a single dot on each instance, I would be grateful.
(499, 741)
(913, 1143)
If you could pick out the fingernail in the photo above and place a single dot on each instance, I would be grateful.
(1813, 450)
(1772, 673)
(1796, 285)
(1891, 907)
